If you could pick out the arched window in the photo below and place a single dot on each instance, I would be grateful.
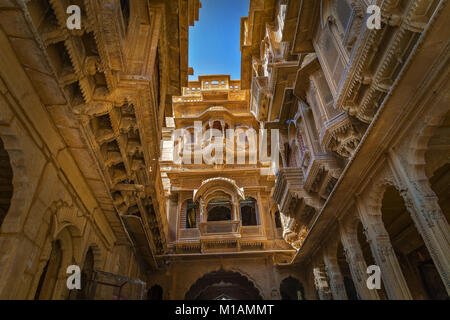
(248, 212)
(219, 210)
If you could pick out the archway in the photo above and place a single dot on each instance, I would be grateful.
(155, 293)
(292, 289)
(6, 182)
(350, 289)
(440, 182)
(418, 268)
(437, 166)
(219, 284)
(368, 257)
(49, 276)
(86, 276)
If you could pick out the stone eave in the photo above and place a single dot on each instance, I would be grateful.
(307, 19)
(281, 71)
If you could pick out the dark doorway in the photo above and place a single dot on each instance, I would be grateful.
(291, 289)
(219, 285)
(155, 293)
(86, 276)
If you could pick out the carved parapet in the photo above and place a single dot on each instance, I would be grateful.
(288, 184)
(293, 233)
(321, 175)
(342, 135)
(366, 84)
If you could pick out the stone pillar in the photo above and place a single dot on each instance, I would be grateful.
(334, 274)
(309, 286)
(358, 267)
(236, 208)
(321, 283)
(422, 203)
(172, 217)
(378, 238)
(202, 210)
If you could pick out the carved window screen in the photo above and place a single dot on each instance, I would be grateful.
(331, 57)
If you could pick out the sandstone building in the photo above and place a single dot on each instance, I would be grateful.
(99, 152)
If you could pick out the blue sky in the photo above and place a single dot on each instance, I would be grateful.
(214, 40)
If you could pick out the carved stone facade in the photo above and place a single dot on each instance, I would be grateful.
(111, 160)
(339, 93)
(81, 113)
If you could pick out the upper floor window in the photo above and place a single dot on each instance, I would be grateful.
(249, 215)
(191, 216)
(219, 210)
(343, 12)
(335, 38)
(331, 56)
(278, 219)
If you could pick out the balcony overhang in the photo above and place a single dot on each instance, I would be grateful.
(210, 185)
(309, 66)
(308, 14)
(136, 229)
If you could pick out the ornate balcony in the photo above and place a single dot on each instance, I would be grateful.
(297, 206)
(342, 135)
(288, 187)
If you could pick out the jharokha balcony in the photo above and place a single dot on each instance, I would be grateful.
(210, 87)
(297, 205)
(220, 218)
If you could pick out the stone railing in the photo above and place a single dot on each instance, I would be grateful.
(189, 234)
(252, 231)
(220, 228)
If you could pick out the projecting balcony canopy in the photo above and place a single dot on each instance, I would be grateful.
(210, 186)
